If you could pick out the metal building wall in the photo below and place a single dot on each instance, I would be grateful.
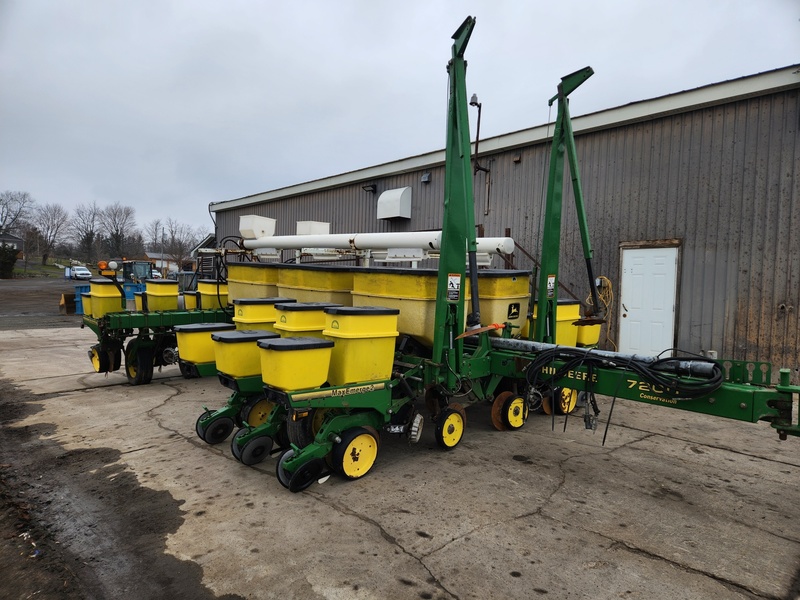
(723, 181)
(349, 209)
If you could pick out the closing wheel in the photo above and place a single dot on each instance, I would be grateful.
(497, 410)
(449, 428)
(354, 456)
(218, 430)
(197, 427)
(515, 412)
(256, 450)
(256, 411)
(564, 399)
(283, 475)
(236, 449)
(306, 474)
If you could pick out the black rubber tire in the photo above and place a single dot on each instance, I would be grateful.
(256, 450)
(449, 428)
(236, 450)
(199, 430)
(306, 475)
(302, 432)
(138, 363)
(341, 450)
(283, 476)
(218, 430)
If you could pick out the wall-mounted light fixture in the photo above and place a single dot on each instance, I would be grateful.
(370, 187)
(477, 166)
(426, 177)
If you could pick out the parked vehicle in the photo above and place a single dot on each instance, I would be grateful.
(155, 274)
(79, 272)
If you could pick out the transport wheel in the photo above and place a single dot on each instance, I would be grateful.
(497, 410)
(282, 475)
(218, 430)
(563, 399)
(236, 449)
(256, 450)
(375, 433)
(138, 363)
(256, 411)
(306, 475)
(449, 428)
(515, 412)
(354, 456)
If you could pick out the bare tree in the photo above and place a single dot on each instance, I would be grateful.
(134, 245)
(84, 225)
(31, 239)
(15, 208)
(51, 220)
(180, 240)
(118, 222)
(154, 235)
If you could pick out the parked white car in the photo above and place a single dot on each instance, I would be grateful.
(79, 272)
(155, 274)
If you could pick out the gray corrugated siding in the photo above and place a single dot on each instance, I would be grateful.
(721, 180)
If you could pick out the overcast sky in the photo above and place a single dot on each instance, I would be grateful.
(167, 105)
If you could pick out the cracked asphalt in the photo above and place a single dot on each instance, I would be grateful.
(674, 505)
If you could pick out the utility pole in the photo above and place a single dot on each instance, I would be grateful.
(163, 271)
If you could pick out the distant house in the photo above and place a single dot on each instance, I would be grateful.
(167, 264)
(162, 262)
(8, 239)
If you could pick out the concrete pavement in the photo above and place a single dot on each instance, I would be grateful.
(675, 505)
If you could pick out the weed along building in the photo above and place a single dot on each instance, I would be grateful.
(692, 199)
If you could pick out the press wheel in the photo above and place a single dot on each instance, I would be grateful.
(256, 411)
(355, 454)
(138, 363)
(515, 412)
(460, 410)
(449, 428)
(99, 359)
(564, 399)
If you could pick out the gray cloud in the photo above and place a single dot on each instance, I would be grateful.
(169, 105)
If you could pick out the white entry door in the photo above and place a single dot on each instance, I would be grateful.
(647, 300)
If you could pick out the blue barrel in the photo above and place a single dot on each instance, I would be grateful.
(131, 288)
(80, 289)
